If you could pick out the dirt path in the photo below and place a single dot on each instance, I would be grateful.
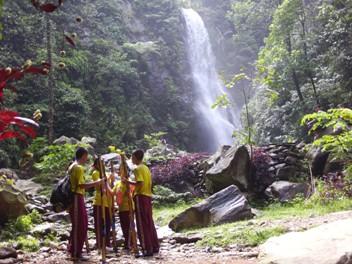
(189, 253)
(59, 257)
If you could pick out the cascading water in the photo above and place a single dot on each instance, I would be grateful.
(217, 124)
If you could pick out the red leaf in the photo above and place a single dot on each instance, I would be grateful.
(27, 130)
(3, 75)
(2, 85)
(36, 70)
(11, 134)
(48, 8)
(70, 41)
(16, 75)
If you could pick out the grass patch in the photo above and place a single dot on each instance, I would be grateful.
(252, 233)
(304, 208)
(163, 214)
(237, 233)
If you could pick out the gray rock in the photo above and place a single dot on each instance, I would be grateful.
(89, 140)
(8, 261)
(29, 187)
(32, 207)
(187, 239)
(285, 191)
(318, 160)
(63, 216)
(12, 202)
(164, 233)
(232, 168)
(220, 153)
(7, 252)
(286, 173)
(325, 244)
(43, 229)
(228, 205)
(66, 140)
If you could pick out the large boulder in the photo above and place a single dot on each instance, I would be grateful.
(7, 252)
(286, 191)
(12, 202)
(228, 205)
(318, 159)
(232, 167)
(325, 244)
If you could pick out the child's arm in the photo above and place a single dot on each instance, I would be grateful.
(91, 184)
(134, 183)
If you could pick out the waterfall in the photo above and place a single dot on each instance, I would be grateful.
(217, 125)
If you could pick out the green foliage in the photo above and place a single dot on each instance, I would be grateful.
(57, 158)
(162, 191)
(221, 101)
(28, 243)
(339, 141)
(153, 139)
(38, 146)
(113, 73)
(24, 223)
(242, 137)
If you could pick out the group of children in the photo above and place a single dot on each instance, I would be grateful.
(105, 192)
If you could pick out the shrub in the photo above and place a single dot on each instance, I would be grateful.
(23, 223)
(177, 169)
(153, 139)
(28, 243)
(339, 144)
(57, 158)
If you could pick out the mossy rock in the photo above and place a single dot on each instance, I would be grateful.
(12, 201)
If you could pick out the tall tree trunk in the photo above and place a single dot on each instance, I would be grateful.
(308, 70)
(50, 82)
(294, 73)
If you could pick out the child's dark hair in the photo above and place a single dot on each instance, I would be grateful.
(80, 153)
(138, 154)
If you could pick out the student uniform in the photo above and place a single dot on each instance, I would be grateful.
(98, 212)
(78, 212)
(124, 211)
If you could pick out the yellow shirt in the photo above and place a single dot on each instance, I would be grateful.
(97, 197)
(77, 178)
(143, 174)
(121, 187)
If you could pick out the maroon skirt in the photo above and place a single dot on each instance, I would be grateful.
(79, 220)
(98, 225)
(125, 226)
(147, 235)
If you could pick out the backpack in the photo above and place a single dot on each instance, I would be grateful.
(61, 196)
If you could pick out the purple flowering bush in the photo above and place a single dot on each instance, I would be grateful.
(178, 171)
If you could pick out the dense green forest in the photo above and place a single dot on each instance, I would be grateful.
(128, 75)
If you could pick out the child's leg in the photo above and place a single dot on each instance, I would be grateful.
(125, 226)
(144, 224)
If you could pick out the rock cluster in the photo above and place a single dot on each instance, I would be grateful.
(286, 163)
